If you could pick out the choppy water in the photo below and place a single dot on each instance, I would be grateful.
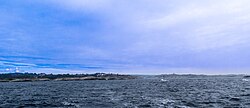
(174, 92)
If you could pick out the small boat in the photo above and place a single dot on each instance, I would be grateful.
(246, 78)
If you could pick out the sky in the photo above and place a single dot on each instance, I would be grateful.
(125, 36)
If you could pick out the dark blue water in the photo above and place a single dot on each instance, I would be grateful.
(177, 92)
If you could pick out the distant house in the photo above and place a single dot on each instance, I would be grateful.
(41, 74)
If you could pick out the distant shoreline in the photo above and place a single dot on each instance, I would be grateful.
(32, 77)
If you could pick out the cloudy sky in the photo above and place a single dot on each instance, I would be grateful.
(125, 36)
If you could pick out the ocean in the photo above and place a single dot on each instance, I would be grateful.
(145, 92)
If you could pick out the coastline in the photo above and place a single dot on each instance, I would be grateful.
(30, 77)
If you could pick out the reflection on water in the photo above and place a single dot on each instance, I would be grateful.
(175, 92)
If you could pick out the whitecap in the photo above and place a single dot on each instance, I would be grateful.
(245, 79)
(163, 80)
